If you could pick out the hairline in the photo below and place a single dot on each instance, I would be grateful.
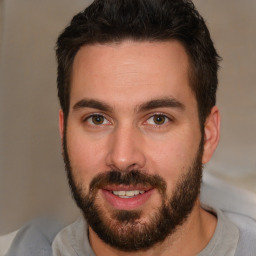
(191, 65)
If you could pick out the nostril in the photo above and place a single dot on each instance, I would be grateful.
(125, 154)
(132, 167)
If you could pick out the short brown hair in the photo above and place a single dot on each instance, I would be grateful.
(106, 21)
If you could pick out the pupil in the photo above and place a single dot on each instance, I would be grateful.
(98, 119)
(159, 119)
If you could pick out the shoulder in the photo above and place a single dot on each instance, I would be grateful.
(35, 238)
(238, 205)
(6, 241)
(247, 233)
(73, 240)
(230, 199)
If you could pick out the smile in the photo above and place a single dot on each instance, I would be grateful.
(127, 199)
(128, 194)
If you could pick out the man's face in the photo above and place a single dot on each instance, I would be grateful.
(132, 143)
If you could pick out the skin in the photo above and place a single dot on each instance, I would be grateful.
(125, 77)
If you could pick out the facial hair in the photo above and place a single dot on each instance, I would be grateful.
(124, 230)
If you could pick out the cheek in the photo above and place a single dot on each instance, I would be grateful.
(85, 155)
(172, 157)
(167, 160)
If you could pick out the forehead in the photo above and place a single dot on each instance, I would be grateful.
(131, 72)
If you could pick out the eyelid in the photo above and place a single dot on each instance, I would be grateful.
(90, 115)
(167, 116)
(110, 121)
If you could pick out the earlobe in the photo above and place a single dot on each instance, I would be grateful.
(61, 124)
(211, 134)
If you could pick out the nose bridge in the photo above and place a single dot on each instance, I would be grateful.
(125, 148)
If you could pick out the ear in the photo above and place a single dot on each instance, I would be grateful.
(211, 134)
(61, 124)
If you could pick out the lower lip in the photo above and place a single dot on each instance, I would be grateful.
(126, 203)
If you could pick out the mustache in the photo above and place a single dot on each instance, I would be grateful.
(133, 177)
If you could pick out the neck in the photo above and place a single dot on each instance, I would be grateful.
(195, 234)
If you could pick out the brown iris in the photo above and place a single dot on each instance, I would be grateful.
(98, 119)
(159, 119)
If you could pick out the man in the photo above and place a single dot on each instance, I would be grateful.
(137, 84)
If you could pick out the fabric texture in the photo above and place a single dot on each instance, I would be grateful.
(35, 238)
(247, 240)
(6, 241)
(73, 240)
(234, 236)
(225, 238)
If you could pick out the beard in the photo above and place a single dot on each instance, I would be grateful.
(126, 230)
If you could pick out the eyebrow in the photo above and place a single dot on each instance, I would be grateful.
(84, 103)
(161, 103)
(152, 104)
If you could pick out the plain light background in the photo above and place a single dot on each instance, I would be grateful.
(32, 175)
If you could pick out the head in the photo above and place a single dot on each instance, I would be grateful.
(143, 20)
(137, 83)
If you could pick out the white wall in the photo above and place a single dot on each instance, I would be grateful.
(32, 176)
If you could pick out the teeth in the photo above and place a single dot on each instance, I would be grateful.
(119, 193)
(128, 194)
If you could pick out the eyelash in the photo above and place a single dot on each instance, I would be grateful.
(161, 115)
(166, 119)
(95, 115)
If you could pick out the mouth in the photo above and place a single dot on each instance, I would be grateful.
(127, 198)
(128, 194)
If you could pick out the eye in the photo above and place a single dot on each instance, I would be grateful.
(97, 119)
(158, 119)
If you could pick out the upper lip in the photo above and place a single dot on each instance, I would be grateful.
(127, 188)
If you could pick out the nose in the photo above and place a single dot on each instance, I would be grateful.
(125, 151)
